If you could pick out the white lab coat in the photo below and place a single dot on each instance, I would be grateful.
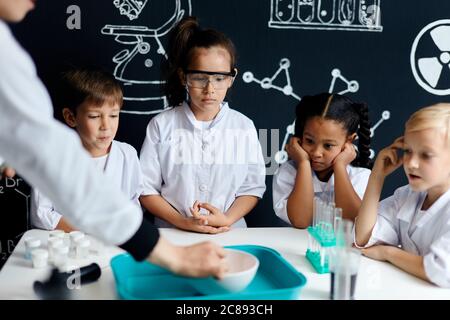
(427, 235)
(122, 169)
(183, 162)
(50, 156)
(284, 181)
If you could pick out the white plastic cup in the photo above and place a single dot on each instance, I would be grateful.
(60, 255)
(82, 248)
(60, 234)
(52, 243)
(30, 245)
(39, 258)
(74, 237)
(56, 234)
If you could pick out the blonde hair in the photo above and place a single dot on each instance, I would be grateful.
(434, 117)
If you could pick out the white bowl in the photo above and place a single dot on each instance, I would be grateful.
(242, 267)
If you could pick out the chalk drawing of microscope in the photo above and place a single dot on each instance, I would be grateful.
(141, 96)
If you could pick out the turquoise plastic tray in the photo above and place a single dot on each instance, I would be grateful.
(275, 279)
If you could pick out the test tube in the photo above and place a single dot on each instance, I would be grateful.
(327, 219)
(30, 245)
(309, 241)
(319, 214)
(337, 219)
(322, 257)
(325, 207)
(344, 233)
(314, 211)
(330, 219)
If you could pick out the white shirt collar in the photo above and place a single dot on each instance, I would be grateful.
(196, 124)
(414, 203)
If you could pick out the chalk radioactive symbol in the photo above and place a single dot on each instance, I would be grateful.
(428, 69)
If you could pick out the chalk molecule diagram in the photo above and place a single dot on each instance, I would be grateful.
(267, 83)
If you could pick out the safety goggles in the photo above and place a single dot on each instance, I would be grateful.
(200, 79)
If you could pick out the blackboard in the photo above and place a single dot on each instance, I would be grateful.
(392, 54)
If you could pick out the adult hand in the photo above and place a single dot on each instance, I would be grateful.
(7, 172)
(199, 260)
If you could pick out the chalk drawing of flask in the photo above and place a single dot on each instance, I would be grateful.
(284, 10)
(347, 11)
(306, 10)
(369, 13)
(326, 11)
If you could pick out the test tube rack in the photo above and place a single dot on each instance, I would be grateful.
(318, 253)
(321, 235)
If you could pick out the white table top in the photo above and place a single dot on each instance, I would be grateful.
(376, 280)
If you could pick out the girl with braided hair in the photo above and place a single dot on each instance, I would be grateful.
(324, 162)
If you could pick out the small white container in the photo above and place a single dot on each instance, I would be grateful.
(30, 245)
(82, 248)
(52, 243)
(56, 234)
(74, 237)
(60, 255)
(39, 258)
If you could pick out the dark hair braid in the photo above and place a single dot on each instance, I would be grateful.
(363, 159)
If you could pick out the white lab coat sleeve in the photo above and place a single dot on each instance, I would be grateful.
(135, 175)
(437, 261)
(149, 159)
(282, 185)
(255, 181)
(50, 156)
(360, 181)
(43, 215)
(386, 229)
